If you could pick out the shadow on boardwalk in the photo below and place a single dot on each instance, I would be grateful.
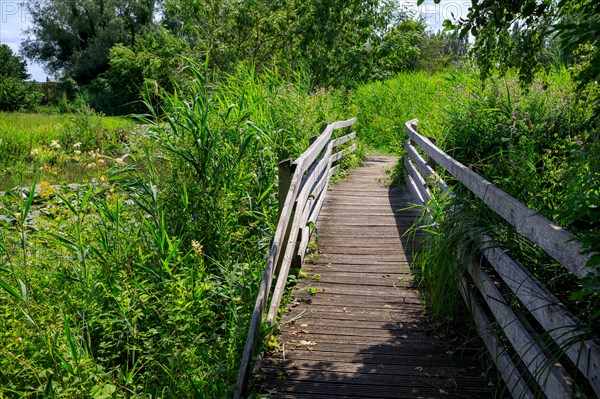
(364, 333)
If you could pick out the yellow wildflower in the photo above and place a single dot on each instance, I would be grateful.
(197, 247)
(46, 189)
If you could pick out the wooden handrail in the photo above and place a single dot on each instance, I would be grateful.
(566, 331)
(305, 181)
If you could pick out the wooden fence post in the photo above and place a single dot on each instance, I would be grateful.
(285, 179)
(430, 160)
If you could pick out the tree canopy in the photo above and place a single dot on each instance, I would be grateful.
(12, 65)
(74, 36)
(523, 35)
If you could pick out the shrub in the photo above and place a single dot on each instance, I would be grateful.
(15, 95)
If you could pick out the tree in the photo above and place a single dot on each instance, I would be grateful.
(155, 61)
(74, 36)
(14, 93)
(398, 49)
(11, 65)
(518, 34)
(333, 39)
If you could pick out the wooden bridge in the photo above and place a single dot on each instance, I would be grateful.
(355, 326)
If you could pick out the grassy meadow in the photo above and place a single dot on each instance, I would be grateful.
(59, 147)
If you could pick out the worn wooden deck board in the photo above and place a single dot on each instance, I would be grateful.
(364, 333)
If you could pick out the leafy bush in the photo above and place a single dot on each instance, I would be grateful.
(538, 145)
(15, 95)
(155, 61)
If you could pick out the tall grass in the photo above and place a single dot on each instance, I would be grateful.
(536, 145)
(143, 286)
(384, 107)
(20, 133)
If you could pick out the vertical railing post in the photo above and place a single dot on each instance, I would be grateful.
(297, 260)
(285, 179)
(430, 160)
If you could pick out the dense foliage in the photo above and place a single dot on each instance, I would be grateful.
(143, 284)
(74, 37)
(11, 65)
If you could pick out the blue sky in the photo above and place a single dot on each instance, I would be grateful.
(14, 19)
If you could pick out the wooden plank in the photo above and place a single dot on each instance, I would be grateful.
(315, 174)
(370, 391)
(284, 181)
(301, 165)
(557, 242)
(418, 179)
(442, 377)
(360, 259)
(404, 366)
(343, 139)
(365, 319)
(431, 176)
(309, 156)
(542, 368)
(564, 328)
(376, 269)
(265, 286)
(331, 294)
(515, 383)
(414, 191)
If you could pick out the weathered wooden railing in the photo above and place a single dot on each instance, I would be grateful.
(532, 368)
(302, 190)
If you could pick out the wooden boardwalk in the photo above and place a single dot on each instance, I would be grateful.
(355, 327)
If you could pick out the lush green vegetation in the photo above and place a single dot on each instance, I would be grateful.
(60, 147)
(140, 281)
(534, 144)
(143, 283)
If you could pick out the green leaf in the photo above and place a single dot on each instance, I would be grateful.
(8, 288)
(70, 337)
(63, 361)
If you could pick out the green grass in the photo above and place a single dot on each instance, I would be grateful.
(384, 107)
(58, 145)
(22, 132)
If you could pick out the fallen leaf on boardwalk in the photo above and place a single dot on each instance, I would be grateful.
(427, 375)
(344, 309)
(490, 384)
(419, 369)
(304, 342)
(404, 336)
(442, 392)
(441, 374)
(309, 348)
(387, 306)
(304, 325)
(303, 331)
(400, 325)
